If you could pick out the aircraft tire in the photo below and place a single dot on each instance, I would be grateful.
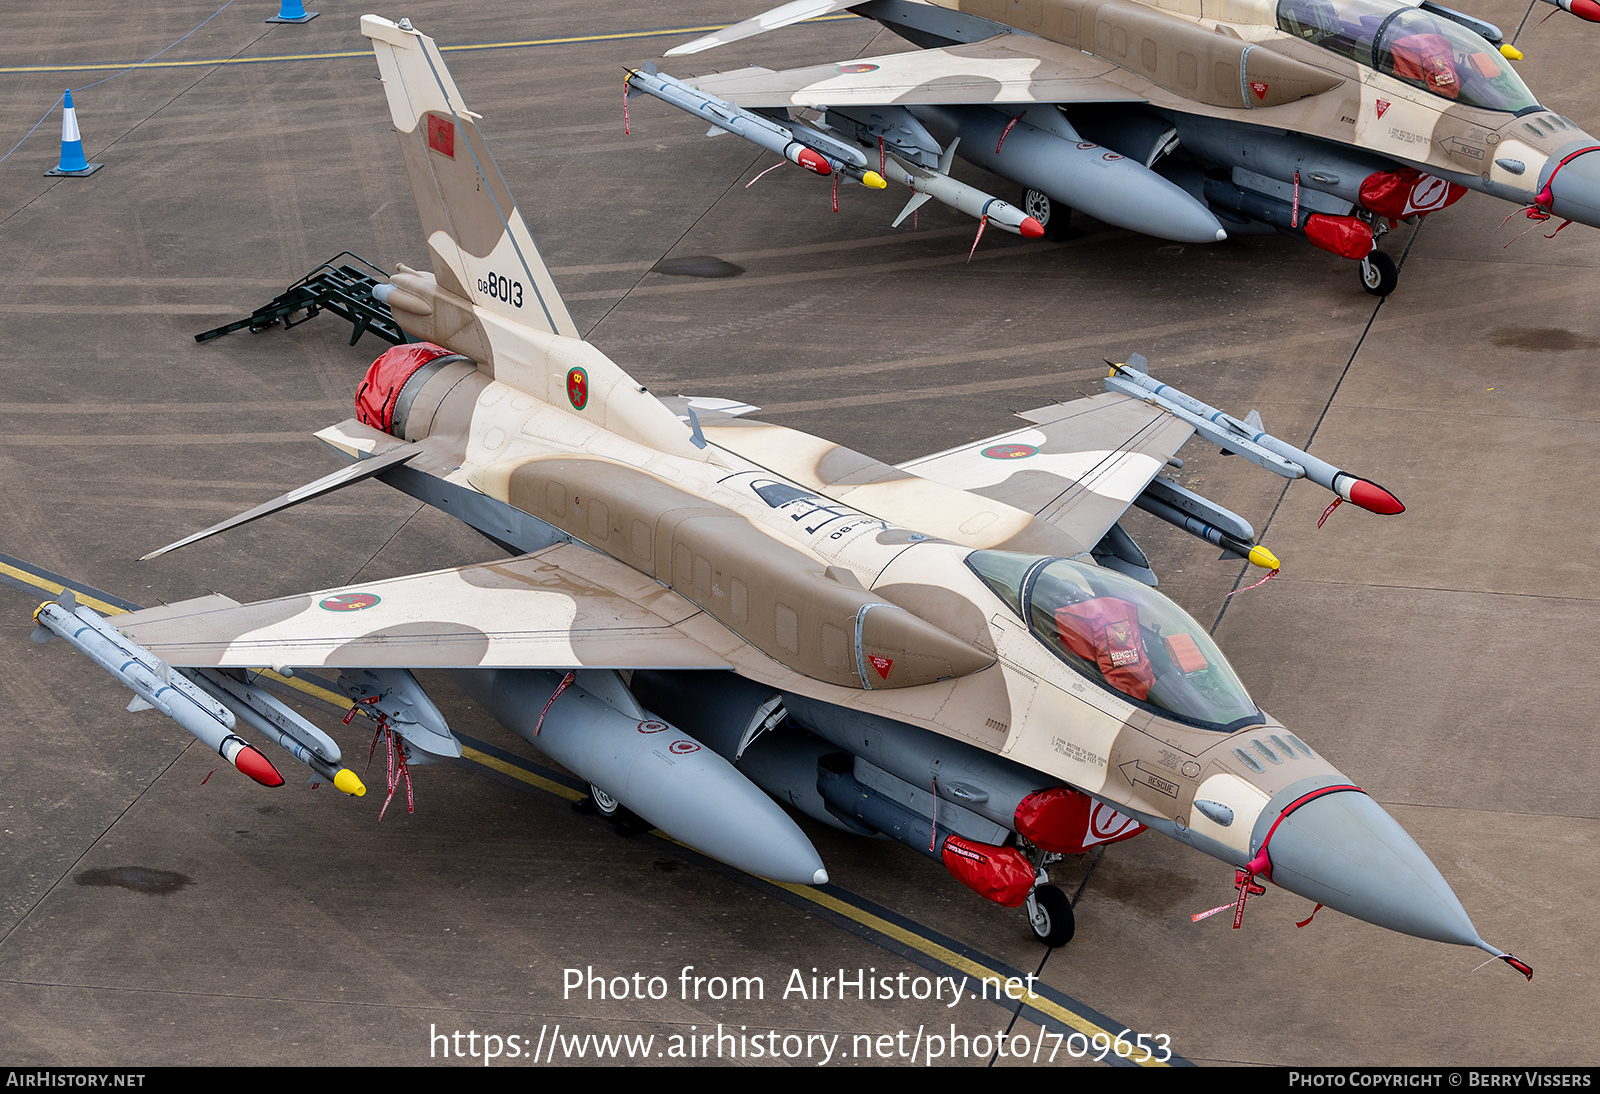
(1054, 923)
(608, 807)
(1054, 217)
(1379, 275)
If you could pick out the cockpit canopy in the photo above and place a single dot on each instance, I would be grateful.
(1410, 44)
(1121, 634)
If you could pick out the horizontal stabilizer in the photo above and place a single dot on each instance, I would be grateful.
(356, 472)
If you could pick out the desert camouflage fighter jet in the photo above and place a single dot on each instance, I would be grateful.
(705, 612)
(1184, 119)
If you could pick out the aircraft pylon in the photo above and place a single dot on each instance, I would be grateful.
(73, 163)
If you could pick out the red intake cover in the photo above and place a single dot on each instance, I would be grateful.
(1066, 822)
(1346, 237)
(376, 396)
(999, 874)
(1407, 192)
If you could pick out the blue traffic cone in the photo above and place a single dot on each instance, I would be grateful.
(73, 164)
(292, 11)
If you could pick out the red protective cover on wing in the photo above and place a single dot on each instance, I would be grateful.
(999, 874)
(1105, 631)
(1406, 192)
(1427, 59)
(1067, 822)
(1346, 237)
(376, 396)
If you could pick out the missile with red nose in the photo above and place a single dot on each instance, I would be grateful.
(1247, 438)
(154, 682)
(1583, 9)
(939, 186)
(816, 152)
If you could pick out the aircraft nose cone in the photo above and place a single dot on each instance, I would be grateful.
(1344, 851)
(1574, 186)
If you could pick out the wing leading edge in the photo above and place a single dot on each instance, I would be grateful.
(562, 607)
(1004, 69)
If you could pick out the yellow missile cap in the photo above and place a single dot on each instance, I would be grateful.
(1260, 556)
(1510, 52)
(346, 780)
(873, 179)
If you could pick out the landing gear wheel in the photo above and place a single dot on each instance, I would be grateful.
(1050, 916)
(608, 807)
(1378, 274)
(1054, 217)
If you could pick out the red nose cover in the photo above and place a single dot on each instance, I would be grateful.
(1065, 822)
(1346, 237)
(1104, 631)
(999, 874)
(376, 396)
(1407, 192)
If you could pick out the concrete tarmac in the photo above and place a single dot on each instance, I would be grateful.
(151, 915)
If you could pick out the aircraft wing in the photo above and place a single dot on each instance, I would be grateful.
(563, 607)
(1008, 68)
(1078, 466)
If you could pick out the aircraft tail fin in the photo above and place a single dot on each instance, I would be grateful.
(481, 248)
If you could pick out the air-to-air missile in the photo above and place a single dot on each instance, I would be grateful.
(206, 703)
(1329, 120)
(933, 652)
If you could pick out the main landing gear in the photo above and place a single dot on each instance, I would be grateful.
(1050, 915)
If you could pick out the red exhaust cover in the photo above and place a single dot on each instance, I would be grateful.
(376, 396)
(999, 874)
(1346, 237)
(1066, 822)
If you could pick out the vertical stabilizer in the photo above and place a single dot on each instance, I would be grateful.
(482, 251)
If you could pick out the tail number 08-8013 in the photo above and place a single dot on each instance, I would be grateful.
(501, 288)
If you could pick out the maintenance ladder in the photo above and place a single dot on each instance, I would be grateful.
(343, 290)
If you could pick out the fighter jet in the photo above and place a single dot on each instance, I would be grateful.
(1189, 120)
(707, 615)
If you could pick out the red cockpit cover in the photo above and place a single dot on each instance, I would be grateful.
(1427, 59)
(1346, 237)
(1066, 822)
(376, 396)
(1105, 631)
(999, 874)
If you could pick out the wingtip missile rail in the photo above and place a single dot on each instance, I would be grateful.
(1246, 438)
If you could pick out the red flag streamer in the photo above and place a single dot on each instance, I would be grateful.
(765, 173)
(982, 224)
(397, 769)
(207, 779)
(933, 829)
(625, 130)
(1294, 212)
(1246, 883)
(1310, 917)
(1247, 588)
(1328, 512)
(836, 191)
(1198, 916)
(882, 155)
(1010, 125)
(566, 682)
